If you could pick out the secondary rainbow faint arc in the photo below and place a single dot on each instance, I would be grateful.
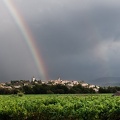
(28, 38)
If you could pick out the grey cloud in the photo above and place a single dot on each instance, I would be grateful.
(67, 34)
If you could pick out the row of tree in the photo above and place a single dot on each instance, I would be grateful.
(48, 89)
(57, 89)
(109, 89)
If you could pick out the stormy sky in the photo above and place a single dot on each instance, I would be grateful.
(78, 39)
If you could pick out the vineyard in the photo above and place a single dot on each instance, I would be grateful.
(57, 107)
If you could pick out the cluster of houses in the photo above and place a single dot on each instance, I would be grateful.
(19, 83)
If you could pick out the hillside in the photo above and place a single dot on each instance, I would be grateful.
(106, 81)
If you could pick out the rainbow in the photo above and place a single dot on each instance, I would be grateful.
(28, 37)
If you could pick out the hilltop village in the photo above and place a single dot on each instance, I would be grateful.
(50, 86)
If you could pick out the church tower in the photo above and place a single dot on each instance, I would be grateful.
(33, 79)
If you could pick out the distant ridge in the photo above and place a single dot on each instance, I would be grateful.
(106, 81)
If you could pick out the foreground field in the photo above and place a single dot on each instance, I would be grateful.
(57, 107)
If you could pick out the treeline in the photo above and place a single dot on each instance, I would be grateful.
(48, 89)
(56, 89)
(109, 89)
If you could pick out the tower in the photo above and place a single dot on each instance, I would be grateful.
(33, 79)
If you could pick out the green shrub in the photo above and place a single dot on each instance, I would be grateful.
(20, 94)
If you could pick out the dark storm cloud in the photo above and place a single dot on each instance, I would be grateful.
(69, 42)
(77, 39)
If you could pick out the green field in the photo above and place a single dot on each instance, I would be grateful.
(57, 107)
